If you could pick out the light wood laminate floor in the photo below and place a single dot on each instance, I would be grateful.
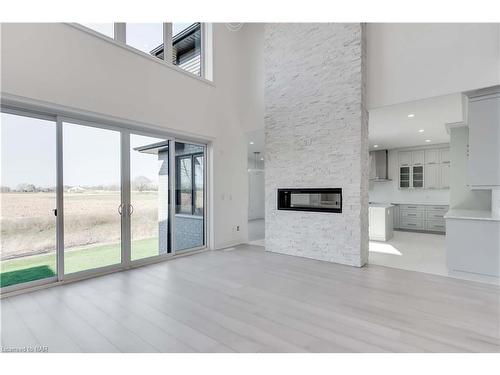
(248, 300)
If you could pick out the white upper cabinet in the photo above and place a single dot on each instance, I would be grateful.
(444, 174)
(432, 156)
(405, 158)
(418, 157)
(484, 138)
(425, 168)
(444, 155)
(432, 176)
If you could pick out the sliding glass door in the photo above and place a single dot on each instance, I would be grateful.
(78, 198)
(149, 197)
(28, 199)
(92, 197)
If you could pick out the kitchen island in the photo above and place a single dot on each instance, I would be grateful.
(380, 221)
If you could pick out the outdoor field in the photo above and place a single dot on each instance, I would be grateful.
(92, 232)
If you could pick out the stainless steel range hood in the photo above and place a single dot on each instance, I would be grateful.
(379, 162)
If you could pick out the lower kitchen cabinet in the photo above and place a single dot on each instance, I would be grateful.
(421, 217)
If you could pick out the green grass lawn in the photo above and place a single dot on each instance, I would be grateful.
(37, 267)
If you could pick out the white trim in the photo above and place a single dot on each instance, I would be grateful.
(454, 125)
(482, 94)
(210, 198)
(167, 43)
(11, 102)
(29, 284)
(140, 53)
(60, 200)
(172, 176)
(120, 34)
(126, 228)
(227, 244)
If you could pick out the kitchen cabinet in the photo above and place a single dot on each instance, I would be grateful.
(432, 180)
(432, 156)
(395, 216)
(484, 138)
(444, 174)
(424, 169)
(422, 217)
(417, 157)
(380, 226)
(444, 155)
(417, 176)
(404, 158)
(472, 242)
(404, 177)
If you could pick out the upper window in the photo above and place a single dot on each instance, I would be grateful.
(183, 49)
(186, 46)
(146, 37)
(107, 29)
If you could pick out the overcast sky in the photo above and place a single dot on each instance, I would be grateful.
(91, 155)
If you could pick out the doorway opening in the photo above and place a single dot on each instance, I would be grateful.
(256, 192)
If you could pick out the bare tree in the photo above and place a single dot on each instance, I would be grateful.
(142, 183)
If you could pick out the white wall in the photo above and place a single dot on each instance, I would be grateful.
(408, 62)
(389, 192)
(252, 54)
(60, 64)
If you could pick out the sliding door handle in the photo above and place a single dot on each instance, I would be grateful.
(130, 210)
(120, 208)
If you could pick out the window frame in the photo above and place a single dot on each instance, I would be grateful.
(206, 53)
(52, 112)
(178, 189)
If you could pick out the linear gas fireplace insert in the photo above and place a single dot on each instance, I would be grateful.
(315, 200)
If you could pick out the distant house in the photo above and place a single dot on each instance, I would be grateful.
(186, 49)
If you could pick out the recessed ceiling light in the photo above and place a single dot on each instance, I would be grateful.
(421, 130)
(262, 159)
(411, 115)
(427, 140)
(375, 146)
(251, 142)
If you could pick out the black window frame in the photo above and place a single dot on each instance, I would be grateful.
(178, 189)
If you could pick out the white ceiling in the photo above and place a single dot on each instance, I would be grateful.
(390, 127)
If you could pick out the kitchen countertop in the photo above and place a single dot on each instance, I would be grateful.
(422, 203)
(380, 205)
(471, 215)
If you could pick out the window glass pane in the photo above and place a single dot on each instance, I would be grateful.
(185, 186)
(107, 29)
(28, 198)
(92, 197)
(186, 46)
(198, 182)
(147, 37)
(189, 219)
(149, 169)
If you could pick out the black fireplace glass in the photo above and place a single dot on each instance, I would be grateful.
(307, 199)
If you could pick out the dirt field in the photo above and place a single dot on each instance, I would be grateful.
(28, 222)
